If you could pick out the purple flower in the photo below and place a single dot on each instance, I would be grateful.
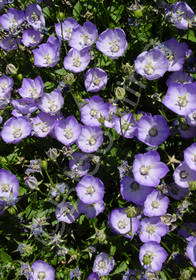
(91, 210)
(9, 43)
(47, 54)
(94, 109)
(179, 77)
(155, 204)
(34, 166)
(31, 182)
(9, 184)
(90, 139)
(110, 120)
(31, 88)
(75, 273)
(191, 118)
(67, 130)
(151, 64)
(6, 85)
(183, 175)
(179, 14)
(103, 264)
(132, 191)
(126, 126)
(43, 124)
(31, 37)
(2, 206)
(177, 192)
(65, 212)
(148, 170)
(191, 251)
(24, 105)
(76, 61)
(152, 255)
(188, 231)
(14, 130)
(51, 102)
(80, 163)
(152, 130)
(42, 270)
(34, 16)
(60, 188)
(90, 189)
(64, 29)
(93, 276)
(119, 223)
(131, 275)
(112, 43)
(95, 79)
(83, 36)
(190, 156)
(152, 229)
(12, 20)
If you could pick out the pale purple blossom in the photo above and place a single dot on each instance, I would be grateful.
(110, 120)
(42, 270)
(151, 64)
(79, 163)
(91, 210)
(112, 43)
(64, 29)
(9, 184)
(9, 43)
(65, 212)
(24, 106)
(93, 109)
(132, 191)
(76, 61)
(183, 175)
(181, 98)
(12, 20)
(90, 189)
(34, 16)
(47, 55)
(177, 192)
(43, 124)
(119, 223)
(95, 79)
(103, 264)
(180, 13)
(152, 229)
(90, 139)
(190, 156)
(148, 169)
(31, 37)
(126, 125)
(83, 36)
(152, 130)
(191, 251)
(51, 102)
(155, 204)
(152, 255)
(15, 129)
(32, 88)
(179, 77)
(67, 130)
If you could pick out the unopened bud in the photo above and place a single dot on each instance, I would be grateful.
(31, 182)
(52, 153)
(60, 16)
(11, 69)
(119, 92)
(131, 211)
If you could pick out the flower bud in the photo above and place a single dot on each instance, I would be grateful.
(11, 69)
(31, 182)
(101, 235)
(52, 153)
(131, 211)
(119, 92)
(60, 16)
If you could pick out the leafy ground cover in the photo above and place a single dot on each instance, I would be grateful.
(97, 140)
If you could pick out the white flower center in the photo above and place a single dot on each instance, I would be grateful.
(102, 265)
(149, 68)
(182, 102)
(96, 81)
(41, 275)
(184, 174)
(93, 112)
(68, 133)
(5, 187)
(114, 47)
(144, 170)
(150, 229)
(155, 204)
(34, 17)
(69, 32)
(17, 132)
(122, 224)
(76, 61)
(48, 59)
(4, 86)
(153, 132)
(92, 140)
(90, 190)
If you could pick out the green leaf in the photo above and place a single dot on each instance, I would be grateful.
(120, 268)
(61, 71)
(5, 258)
(48, 85)
(77, 10)
(21, 191)
(163, 276)
(112, 250)
(190, 36)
